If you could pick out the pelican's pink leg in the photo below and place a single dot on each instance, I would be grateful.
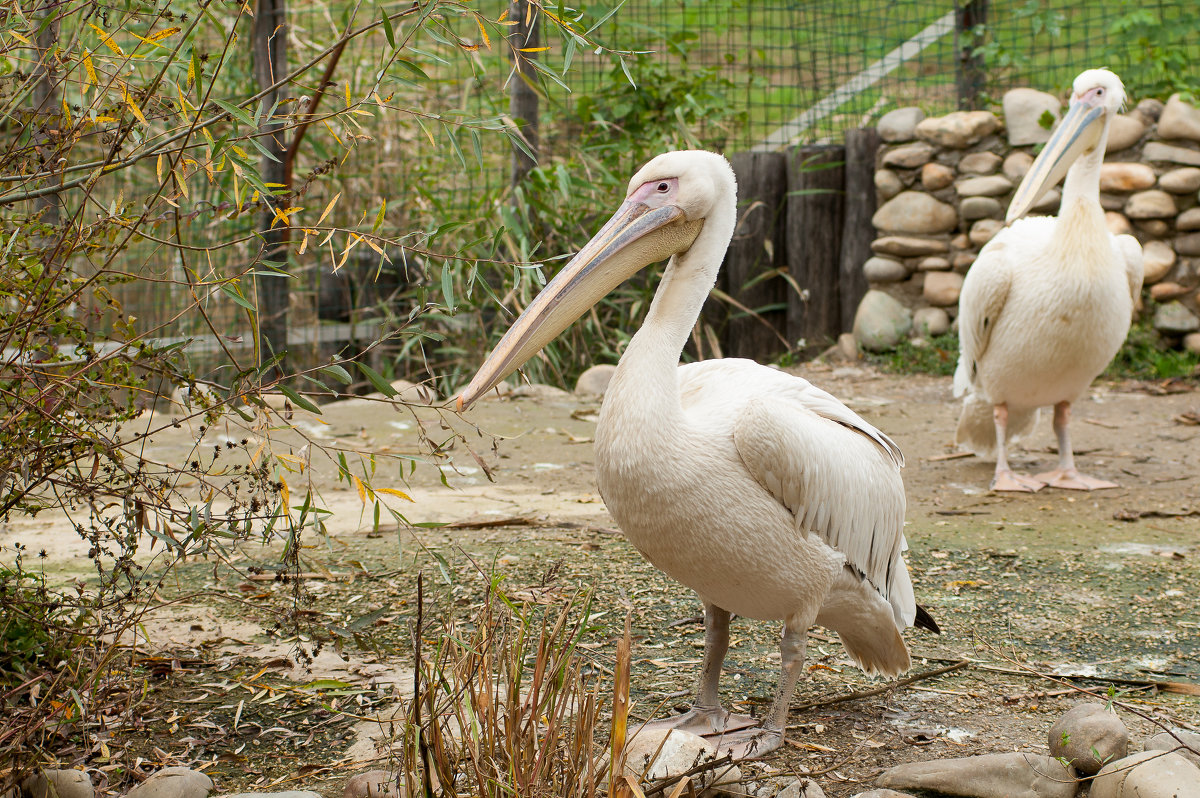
(1066, 475)
(1006, 478)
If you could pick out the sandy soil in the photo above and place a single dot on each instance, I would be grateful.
(1077, 584)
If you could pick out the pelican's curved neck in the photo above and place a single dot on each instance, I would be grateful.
(1080, 216)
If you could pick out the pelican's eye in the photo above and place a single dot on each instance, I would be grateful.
(663, 188)
(1100, 92)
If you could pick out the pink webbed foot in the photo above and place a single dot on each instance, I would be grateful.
(1070, 479)
(704, 721)
(1009, 480)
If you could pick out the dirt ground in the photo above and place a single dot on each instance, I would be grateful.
(1101, 586)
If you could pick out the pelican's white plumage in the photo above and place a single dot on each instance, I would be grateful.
(767, 496)
(1049, 300)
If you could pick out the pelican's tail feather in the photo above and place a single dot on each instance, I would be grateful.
(977, 429)
(867, 624)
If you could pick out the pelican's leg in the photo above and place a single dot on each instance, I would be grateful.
(754, 743)
(1006, 478)
(706, 715)
(1066, 475)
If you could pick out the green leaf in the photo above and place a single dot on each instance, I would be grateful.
(448, 287)
(337, 372)
(376, 379)
(237, 113)
(388, 33)
(231, 291)
(379, 217)
(298, 400)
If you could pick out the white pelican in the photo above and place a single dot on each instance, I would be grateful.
(762, 493)
(1049, 300)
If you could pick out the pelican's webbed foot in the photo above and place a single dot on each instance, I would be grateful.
(703, 721)
(1009, 480)
(1070, 479)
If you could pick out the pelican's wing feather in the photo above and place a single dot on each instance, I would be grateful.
(836, 473)
(1130, 253)
(984, 294)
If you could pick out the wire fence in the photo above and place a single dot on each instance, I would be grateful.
(730, 75)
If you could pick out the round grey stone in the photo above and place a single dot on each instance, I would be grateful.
(1152, 204)
(1180, 181)
(1150, 109)
(989, 186)
(1088, 736)
(1173, 318)
(1179, 120)
(58, 783)
(910, 156)
(979, 163)
(934, 263)
(930, 321)
(1146, 774)
(884, 270)
(900, 125)
(887, 183)
(1188, 245)
(174, 782)
(1191, 343)
(1009, 774)
(1123, 132)
(1157, 259)
(1126, 177)
(957, 130)
(915, 212)
(372, 784)
(1016, 165)
(942, 288)
(1117, 223)
(594, 381)
(1158, 151)
(973, 208)
(1183, 742)
(1188, 220)
(935, 176)
(1023, 111)
(881, 321)
(802, 788)
(984, 231)
(908, 246)
(1048, 203)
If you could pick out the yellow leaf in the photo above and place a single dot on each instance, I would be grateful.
(132, 105)
(191, 75)
(108, 42)
(162, 34)
(158, 167)
(362, 491)
(303, 244)
(284, 495)
(20, 38)
(329, 207)
(394, 492)
(534, 49)
(347, 85)
(487, 42)
(87, 66)
(181, 181)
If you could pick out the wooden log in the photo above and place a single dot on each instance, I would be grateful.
(524, 38)
(813, 231)
(757, 248)
(857, 231)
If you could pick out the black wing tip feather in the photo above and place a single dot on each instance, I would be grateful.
(925, 621)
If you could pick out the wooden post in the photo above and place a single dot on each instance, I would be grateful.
(969, 17)
(270, 65)
(813, 233)
(45, 99)
(857, 231)
(522, 96)
(757, 247)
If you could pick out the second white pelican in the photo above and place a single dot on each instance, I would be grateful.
(1048, 301)
(767, 496)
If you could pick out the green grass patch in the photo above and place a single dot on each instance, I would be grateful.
(937, 355)
(1146, 356)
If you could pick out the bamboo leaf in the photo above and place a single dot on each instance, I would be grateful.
(298, 400)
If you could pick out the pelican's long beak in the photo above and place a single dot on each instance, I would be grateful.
(636, 236)
(1080, 131)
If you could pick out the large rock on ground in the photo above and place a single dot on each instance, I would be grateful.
(1124, 132)
(173, 783)
(1184, 743)
(372, 784)
(1087, 736)
(651, 756)
(900, 125)
(594, 381)
(881, 322)
(1023, 110)
(1179, 120)
(1148, 774)
(915, 212)
(957, 130)
(58, 783)
(282, 794)
(1014, 775)
(931, 321)
(800, 788)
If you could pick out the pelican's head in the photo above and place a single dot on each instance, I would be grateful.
(672, 201)
(1097, 95)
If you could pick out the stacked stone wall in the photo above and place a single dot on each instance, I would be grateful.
(944, 184)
